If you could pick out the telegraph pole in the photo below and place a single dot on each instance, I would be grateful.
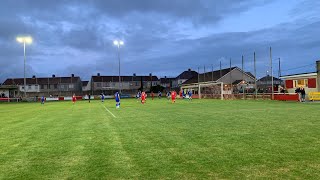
(243, 76)
(220, 70)
(255, 74)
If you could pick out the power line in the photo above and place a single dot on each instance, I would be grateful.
(299, 67)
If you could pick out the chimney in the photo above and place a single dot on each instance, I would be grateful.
(150, 74)
(134, 74)
(318, 74)
(165, 77)
(189, 70)
(33, 77)
(53, 75)
(72, 75)
(98, 74)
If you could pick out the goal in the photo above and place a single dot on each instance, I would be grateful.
(210, 90)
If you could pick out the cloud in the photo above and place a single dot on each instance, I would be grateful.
(162, 37)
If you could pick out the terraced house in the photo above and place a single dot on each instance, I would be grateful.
(129, 84)
(46, 86)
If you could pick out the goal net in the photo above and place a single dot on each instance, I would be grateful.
(210, 90)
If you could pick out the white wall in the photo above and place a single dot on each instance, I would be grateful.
(33, 88)
(5, 92)
(236, 74)
(87, 87)
(178, 82)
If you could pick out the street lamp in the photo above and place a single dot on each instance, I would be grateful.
(25, 40)
(118, 44)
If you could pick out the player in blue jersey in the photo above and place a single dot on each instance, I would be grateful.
(168, 95)
(159, 94)
(102, 97)
(190, 94)
(117, 98)
(183, 94)
(138, 96)
(43, 99)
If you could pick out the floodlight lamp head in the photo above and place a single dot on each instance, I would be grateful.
(24, 39)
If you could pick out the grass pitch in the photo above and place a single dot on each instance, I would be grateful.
(202, 139)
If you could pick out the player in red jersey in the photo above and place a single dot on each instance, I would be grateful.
(173, 96)
(74, 98)
(152, 95)
(143, 97)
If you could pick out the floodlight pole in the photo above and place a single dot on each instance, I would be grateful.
(119, 69)
(25, 40)
(24, 69)
(199, 92)
(118, 44)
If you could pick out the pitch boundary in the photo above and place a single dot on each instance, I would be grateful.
(108, 110)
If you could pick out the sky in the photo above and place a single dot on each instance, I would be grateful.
(162, 37)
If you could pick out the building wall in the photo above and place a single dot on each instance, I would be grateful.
(291, 84)
(126, 85)
(236, 74)
(62, 89)
(178, 82)
(30, 88)
(5, 92)
(86, 88)
(318, 75)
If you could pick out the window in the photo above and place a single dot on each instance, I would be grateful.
(51, 86)
(56, 86)
(42, 86)
(301, 83)
(71, 86)
(137, 84)
(29, 87)
(98, 84)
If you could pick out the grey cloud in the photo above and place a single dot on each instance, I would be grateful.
(152, 43)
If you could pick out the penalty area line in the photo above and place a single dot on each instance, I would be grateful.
(108, 110)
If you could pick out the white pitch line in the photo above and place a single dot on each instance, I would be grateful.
(109, 111)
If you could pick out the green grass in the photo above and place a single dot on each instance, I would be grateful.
(202, 139)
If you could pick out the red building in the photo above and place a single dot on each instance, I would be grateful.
(310, 81)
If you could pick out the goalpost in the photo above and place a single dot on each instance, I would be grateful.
(211, 89)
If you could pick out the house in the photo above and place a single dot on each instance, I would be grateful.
(310, 81)
(129, 84)
(166, 82)
(306, 80)
(86, 87)
(229, 76)
(8, 91)
(264, 84)
(46, 86)
(234, 81)
(183, 77)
